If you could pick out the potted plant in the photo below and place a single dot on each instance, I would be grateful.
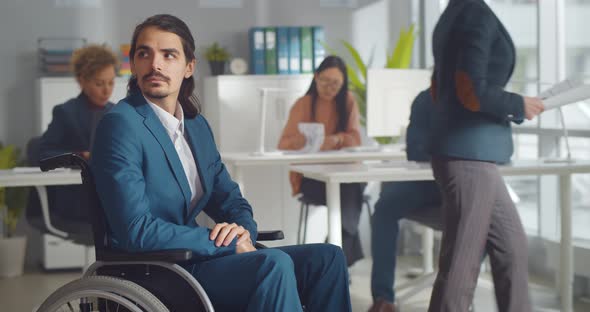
(217, 57)
(400, 57)
(12, 204)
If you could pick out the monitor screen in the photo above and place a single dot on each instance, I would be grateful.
(390, 93)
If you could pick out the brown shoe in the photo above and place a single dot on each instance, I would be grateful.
(382, 306)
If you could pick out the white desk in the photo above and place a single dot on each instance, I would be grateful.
(236, 161)
(35, 177)
(264, 181)
(335, 174)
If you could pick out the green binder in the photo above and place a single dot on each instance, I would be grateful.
(306, 50)
(270, 51)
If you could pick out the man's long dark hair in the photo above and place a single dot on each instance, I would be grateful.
(189, 102)
(330, 62)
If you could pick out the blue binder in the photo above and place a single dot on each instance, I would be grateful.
(319, 53)
(294, 51)
(283, 50)
(257, 48)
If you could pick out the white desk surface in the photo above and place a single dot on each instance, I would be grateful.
(31, 176)
(251, 159)
(335, 174)
(412, 171)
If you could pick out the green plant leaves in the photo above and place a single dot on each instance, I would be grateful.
(8, 157)
(216, 53)
(400, 57)
(12, 199)
(360, 65)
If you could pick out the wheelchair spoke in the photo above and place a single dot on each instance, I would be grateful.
(102, 294)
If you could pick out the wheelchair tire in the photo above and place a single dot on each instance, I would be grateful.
(122, 292)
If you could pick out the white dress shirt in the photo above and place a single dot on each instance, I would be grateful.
(174, 126)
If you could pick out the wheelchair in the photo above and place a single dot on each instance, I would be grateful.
(128, 281)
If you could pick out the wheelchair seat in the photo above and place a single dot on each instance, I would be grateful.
(120, 280)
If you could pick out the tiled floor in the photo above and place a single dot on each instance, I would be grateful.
(28, 291)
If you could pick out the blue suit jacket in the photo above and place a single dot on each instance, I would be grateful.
(143, 188)
(474, 59)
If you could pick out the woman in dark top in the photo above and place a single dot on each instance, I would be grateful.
(73, 123)
(474, 59)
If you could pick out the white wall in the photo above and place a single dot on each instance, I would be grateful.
(371, 33)
(21, 23)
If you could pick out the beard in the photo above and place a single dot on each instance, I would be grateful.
(155, 94)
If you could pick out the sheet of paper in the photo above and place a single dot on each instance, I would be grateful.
(314, 136)
(565, 92)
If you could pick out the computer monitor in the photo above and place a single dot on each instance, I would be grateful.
(390, 93)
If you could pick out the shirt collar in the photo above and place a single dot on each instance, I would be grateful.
(171, 123)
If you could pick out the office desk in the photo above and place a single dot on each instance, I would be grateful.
(33, 176)
(236, 161)
(335, 174)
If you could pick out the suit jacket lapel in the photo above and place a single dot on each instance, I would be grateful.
(154, 125)
(192, 133)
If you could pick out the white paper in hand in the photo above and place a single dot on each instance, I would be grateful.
(565, 92)
(314, 136)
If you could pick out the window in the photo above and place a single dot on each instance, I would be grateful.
(520, 19)
(577, 116)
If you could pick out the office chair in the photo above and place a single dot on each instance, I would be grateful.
(430, 220)
(304, 215)
(67, 220)
(128, 281)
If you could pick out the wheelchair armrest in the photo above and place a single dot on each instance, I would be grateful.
(270, 235)
(168, 255)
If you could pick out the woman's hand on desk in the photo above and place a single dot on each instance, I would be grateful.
(294, 142)
(533, 106)
(332, 142)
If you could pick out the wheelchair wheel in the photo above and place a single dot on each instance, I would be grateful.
(104, 294)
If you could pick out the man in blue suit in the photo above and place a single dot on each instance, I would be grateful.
(156, 167)
(399, 200)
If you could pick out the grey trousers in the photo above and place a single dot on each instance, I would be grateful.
(478, 214)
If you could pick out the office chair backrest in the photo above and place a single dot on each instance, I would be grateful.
(96, 213)
(33, 151)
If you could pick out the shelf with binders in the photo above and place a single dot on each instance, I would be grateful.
(286, 50)
(54, 54)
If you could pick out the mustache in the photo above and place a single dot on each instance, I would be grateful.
(154, 74)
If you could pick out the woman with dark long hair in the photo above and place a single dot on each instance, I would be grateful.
(329, 102)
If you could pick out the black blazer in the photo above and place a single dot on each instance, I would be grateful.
(70, 130)
(474, 59)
